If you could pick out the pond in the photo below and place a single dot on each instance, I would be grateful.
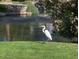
(24, 28)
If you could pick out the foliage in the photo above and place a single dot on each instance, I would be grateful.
(21, 0)
(3, 8)
(32, 8)
(66, 12)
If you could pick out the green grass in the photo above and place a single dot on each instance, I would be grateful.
(36, 50)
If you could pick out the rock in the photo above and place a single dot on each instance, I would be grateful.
(2, 14)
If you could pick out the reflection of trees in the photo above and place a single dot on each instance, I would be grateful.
(8, 32)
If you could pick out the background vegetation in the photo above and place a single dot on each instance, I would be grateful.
(31, 8)
(3, 8)
(65, 15)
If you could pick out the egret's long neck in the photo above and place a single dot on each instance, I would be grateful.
(43, 29)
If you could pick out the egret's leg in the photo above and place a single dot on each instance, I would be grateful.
(48, 40)
(43, 41)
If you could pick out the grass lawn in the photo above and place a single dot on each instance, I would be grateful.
(36, 50)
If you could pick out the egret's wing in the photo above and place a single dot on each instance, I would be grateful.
(46, 32)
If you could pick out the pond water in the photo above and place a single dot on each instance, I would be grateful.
(22, 29)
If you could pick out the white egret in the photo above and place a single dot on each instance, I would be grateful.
(46, 32)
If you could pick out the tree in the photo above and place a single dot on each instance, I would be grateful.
(67, 13)
(31, 8)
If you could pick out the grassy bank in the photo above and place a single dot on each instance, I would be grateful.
(36, 50)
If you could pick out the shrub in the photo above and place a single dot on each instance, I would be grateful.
(32, 8)
(3, 8)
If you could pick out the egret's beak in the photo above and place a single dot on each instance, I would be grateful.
(42, 25)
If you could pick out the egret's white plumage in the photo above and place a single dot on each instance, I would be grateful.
(46, 32)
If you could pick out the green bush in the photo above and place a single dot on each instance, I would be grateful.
(67, 12)
(3, 8)
(32, 8)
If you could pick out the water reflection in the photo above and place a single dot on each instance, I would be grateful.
(22, 32)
